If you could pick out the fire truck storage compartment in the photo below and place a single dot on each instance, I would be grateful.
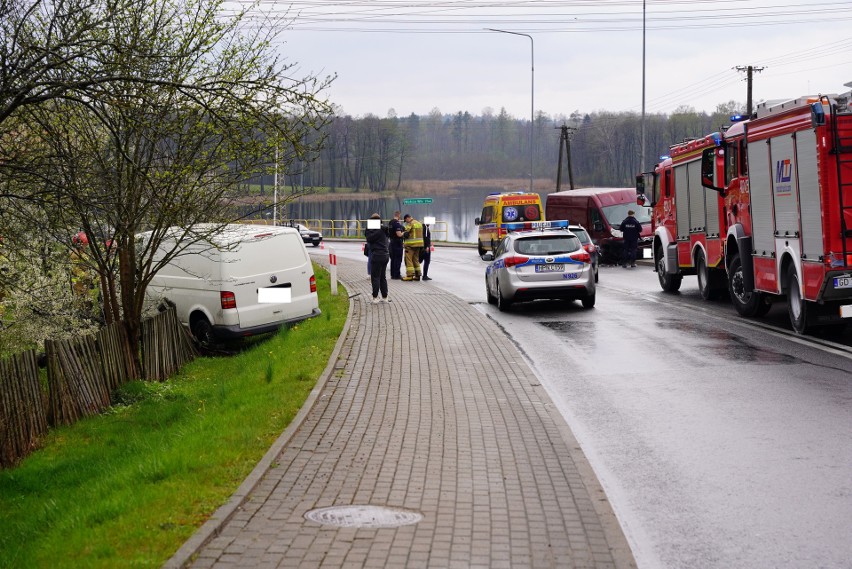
(697, 208)
(784, 185)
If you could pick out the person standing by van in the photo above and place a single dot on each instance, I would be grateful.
(377, 241)
(396, 248)
(631, 230)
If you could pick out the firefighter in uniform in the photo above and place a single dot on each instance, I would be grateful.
(413, 245)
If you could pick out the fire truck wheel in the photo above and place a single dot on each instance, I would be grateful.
(798, 308)
(705, 289)
(749, 303)
(669, 283)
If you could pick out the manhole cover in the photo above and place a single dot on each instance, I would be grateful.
(363, 517)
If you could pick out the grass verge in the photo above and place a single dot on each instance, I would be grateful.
(127, 488)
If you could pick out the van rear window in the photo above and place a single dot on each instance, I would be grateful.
(529, 212)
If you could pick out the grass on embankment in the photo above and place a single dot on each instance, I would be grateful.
(127, 488)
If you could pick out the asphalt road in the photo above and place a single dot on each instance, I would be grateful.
(721, 442)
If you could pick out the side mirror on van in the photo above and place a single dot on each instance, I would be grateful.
(476, 221)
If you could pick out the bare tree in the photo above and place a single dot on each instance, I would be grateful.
(195, 105)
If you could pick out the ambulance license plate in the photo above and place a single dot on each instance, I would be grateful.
(843, 282)
(551, 268)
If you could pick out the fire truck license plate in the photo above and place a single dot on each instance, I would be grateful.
(554, 268)
(843, 282)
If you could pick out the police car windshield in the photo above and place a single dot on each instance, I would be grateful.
(547, 245)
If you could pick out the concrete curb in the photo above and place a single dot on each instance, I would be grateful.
(213, 526)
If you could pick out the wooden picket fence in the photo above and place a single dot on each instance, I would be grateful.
(23, 417)
(166, 346)
(82, 374)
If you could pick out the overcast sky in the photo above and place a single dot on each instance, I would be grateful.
(414, 55)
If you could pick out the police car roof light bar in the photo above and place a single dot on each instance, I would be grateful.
(526, 225)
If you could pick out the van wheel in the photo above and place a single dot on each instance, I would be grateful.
(669, 283)
(480, 248)
(202, 330)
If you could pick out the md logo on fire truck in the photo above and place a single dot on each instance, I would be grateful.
(783, 175)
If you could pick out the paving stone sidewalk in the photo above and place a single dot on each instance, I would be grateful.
(427, 408)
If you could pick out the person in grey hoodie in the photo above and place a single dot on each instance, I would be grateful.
(377, 240)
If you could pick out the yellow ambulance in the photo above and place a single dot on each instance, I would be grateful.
(502, 208)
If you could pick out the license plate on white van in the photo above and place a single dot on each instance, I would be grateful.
(843, 282)
(273, 295)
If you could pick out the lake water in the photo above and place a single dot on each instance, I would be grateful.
(454, 213)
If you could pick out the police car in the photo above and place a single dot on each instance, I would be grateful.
(539, 260)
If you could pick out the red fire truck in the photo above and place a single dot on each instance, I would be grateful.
(764, 209)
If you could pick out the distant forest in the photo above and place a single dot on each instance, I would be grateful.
(372, 154)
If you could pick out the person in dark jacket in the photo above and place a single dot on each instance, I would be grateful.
(631, 230)
(377, 241)
(396, 247)
(426, 252)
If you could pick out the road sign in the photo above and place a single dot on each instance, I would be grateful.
(412, 201)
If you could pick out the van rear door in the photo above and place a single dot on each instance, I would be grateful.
(279, 260)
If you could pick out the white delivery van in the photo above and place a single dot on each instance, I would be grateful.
(246, 280)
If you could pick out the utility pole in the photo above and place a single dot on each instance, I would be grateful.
(749, 70)
(565, 140)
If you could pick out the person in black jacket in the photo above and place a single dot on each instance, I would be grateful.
(377, 241)
(426, 252)
(396, 247)
(631, 230)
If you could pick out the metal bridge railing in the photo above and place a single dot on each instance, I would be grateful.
(354, 228)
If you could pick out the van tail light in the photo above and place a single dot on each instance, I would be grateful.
(227, 299)
(515, 260)
(583, 256)
(313, 283)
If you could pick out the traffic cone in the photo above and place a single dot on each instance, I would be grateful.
(322, 245)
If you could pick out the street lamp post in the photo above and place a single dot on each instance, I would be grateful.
(532, 93)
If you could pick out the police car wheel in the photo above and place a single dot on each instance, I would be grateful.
(502, 303)
(490, 297)
(588, 301)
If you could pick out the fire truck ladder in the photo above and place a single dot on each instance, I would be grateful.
(842, 122)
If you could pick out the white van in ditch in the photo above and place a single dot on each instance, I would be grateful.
(246, 280)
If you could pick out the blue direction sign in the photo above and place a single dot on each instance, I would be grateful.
(412, 201)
